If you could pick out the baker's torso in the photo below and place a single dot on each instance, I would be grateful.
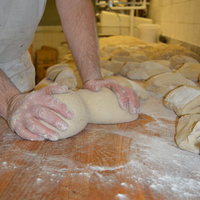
(18, 22)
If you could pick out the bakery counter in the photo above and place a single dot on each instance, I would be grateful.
(136, 160)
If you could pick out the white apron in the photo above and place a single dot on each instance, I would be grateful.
(18, 22)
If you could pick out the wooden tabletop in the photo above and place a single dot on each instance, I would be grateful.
(136, 160)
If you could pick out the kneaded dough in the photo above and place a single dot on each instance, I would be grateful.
(147, 69)
(103, 108)
(178, 60)
(113, 66)
(43, 83)
(138, 89)
(190, 71)
(183, 100)
(105, 72)
(164, 82)
(58, 67)
(80, 118)
(67, 77)
(131, 58)
(188, 133)
(92, 107)
(128, 67)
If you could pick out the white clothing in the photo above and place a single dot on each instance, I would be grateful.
(18, 22)
(21, 72)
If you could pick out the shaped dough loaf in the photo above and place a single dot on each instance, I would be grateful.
(128, 67)
(138, 89)
(147, 69)
(183, 100)
(91, 107)
(178, 60)
(164, 82)
(190, 71)
(188, 133)
(113, 66)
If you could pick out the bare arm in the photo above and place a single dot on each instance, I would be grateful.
(7, 92)
(79, 27)
(78, 22)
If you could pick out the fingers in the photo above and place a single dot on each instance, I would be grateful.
(50, 117)
(133, 103)
(121, 96)
(127, 98)
(54, 89)
(26, 134)
(56, 105)
(27, 114)
(52, 102)
(40, 130)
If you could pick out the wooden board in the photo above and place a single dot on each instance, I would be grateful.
(137, 160)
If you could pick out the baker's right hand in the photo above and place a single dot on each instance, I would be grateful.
(26, 110)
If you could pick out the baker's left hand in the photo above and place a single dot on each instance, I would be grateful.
(127, 98)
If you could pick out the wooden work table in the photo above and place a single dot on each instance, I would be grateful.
(136, 160)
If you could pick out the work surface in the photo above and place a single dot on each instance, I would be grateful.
(137, 160)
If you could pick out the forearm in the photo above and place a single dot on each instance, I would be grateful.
(7, 91)
(79, 27)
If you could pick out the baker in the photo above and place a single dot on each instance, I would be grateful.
(23, 109)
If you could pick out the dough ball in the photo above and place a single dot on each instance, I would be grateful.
(67, 77)
(162, 83)
(190, 71)
(113, 66)
(80, 118)
(188, 133)
(178, 60)
(137, 88)
(128, 67)
(103, 108)
(147, 69)
(43, 83)
(183, 100)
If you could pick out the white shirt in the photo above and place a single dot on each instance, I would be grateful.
(18, 22)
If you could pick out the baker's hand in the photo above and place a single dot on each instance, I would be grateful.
(26, 110)
(127, 98)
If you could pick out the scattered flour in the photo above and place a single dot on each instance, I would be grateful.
(122, 197)
(156, 161)
(150, 160)
(39, 180)
(154, 107)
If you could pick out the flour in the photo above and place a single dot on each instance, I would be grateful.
(148, 158)
(103, 169)
(174, 170)
(122, 197)
(154, 108)
(39, 180)
(155, 161)
(4, 164)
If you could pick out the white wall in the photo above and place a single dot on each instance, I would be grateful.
(179, 19)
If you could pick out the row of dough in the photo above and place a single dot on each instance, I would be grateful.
(130, 49)
(173, 79)
(185, 102)
(181, 95)
(88, 106)
(146, 69)
(161, 77)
